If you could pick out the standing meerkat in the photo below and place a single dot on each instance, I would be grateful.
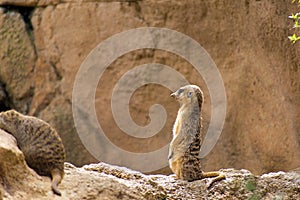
(40, 143)
(184, 158)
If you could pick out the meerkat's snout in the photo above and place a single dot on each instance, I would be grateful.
(177, 93)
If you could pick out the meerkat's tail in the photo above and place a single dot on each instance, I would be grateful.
(217, 177)
(56, 179)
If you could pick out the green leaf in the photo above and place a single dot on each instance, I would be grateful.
(251, 185)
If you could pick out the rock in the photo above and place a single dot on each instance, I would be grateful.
(30, 3)
(17, 59)
(38, 67)
(104, 181)
(33, 3)
(15, 176)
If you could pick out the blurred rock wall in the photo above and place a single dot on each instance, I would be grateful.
(43, 44)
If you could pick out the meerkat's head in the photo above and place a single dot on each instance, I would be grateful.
(8, 117)
(189, 94)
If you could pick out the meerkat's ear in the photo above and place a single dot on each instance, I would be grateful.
(199, 97)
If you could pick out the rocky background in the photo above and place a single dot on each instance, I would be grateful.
(44, 42)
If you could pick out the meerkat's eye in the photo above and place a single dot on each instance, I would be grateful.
(189, 94)
(180, 91)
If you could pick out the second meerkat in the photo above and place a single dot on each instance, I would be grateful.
(40, 143)
(184, 152)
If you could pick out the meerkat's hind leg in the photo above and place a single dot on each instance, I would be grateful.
(216, 175)
(56, 179)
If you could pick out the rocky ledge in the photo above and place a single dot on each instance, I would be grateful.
(103, 181)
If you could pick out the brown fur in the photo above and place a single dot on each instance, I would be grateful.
(39, 142)
(184, 158)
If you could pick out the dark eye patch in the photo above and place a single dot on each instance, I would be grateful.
(180, 91)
